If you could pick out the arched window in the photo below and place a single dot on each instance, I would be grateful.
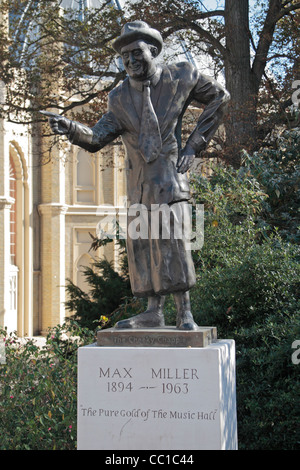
(13, 211)
(13, 274)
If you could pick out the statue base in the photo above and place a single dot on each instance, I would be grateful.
(157, 398)
(167, 337)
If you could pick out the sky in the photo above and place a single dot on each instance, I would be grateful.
(212, 4)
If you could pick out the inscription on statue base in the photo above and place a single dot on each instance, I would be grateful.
(147, 398)
(157, 337)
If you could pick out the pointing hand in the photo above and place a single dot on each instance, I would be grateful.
(59, 124)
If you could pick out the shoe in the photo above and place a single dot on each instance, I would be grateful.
(143, 320)
(188, 326)
(186, 322)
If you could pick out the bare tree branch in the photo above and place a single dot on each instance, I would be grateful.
(287, 10)
(184, 24)
(265, 41)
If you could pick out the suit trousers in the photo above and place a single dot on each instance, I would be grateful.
(159, 259)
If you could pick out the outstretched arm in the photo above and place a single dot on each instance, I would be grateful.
(91, 139)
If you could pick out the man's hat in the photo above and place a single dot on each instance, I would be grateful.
(138, 30)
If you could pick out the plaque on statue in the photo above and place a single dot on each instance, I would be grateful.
(168, 337)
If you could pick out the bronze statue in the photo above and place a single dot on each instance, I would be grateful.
(147, 110)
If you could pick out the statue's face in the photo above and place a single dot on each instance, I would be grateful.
(138, 59)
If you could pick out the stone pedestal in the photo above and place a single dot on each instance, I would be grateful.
(166, 337)
(157, 398)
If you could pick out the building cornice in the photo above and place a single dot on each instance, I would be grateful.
(52, 209)
(95, 210)
(86, 210)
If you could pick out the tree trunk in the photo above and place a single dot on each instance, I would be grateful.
(241, 124)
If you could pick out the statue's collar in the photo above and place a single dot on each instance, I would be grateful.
(154, 80)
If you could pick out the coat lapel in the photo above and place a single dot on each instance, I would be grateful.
(167, 95)
(128, 106)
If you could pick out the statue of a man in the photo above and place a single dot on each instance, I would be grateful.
(147, 110)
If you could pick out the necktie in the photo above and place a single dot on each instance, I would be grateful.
(150, 143)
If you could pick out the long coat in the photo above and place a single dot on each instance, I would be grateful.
(173, 89)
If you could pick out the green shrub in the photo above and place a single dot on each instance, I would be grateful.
(38, 390)
(268, 384)
(255, 301)
(261, 282)
(108, 289)
(278, 172)
(232, 202)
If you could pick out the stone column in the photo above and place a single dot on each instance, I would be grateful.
(52, 265)
(52, 244)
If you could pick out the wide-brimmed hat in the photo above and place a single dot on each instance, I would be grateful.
(138, 30)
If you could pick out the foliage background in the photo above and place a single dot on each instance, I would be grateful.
(38, 390)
